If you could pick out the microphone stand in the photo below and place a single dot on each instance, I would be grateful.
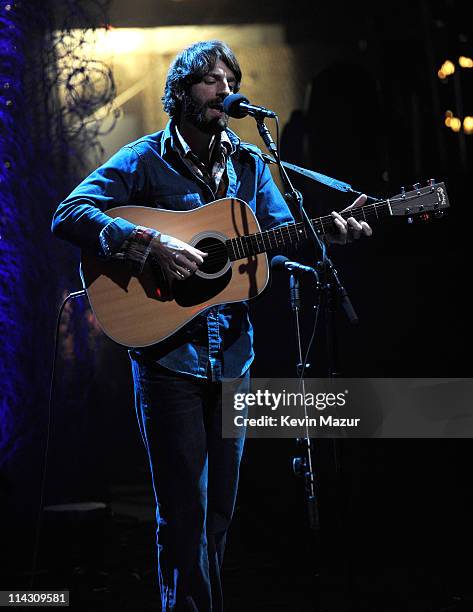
(332, 284)
(302, 465)
(331, 290)
(294, 197)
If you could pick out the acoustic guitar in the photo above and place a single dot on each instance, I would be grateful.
(141, 310)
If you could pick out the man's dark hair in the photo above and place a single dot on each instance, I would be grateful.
(191, 65)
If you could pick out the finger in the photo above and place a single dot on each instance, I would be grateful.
(174, 275)
(191, 266)
(342, 227)
(177, 275)
(354, 227)
(185, 261)
(340, 223)
(360, 200)
(198, 252)
(195, 256)
(367, 231)
(343, 235)
(182, 270)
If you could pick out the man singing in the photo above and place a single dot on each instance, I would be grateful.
(196, 159)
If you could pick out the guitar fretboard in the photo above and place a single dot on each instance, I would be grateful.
(289, 235)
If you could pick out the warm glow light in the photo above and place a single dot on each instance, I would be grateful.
(468, 125)
(127, 42)
(446, 69)
(465, 62)
(455, 124)
(120, 41)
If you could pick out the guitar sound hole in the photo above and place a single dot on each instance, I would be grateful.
(217, 257)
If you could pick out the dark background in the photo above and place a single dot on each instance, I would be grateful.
(395, 514)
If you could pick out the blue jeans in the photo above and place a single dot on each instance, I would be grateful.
(195, 479)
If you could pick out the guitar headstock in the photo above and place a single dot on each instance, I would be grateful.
(431, 200)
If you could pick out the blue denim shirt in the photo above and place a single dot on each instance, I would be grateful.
(219, 342)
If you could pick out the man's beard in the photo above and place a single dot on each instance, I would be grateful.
(195, 114)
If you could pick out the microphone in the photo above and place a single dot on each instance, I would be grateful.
(283, 263)
(237, 106)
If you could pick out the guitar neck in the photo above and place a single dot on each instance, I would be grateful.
(290, 235)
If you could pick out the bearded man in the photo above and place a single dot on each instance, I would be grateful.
(196, 159)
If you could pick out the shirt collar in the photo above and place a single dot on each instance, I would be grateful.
(228, 139)
(166, 138)
(183, 144)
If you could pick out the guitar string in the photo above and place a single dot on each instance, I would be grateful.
(221, 252)
(292, 226)
(215, 251)
(216, 254)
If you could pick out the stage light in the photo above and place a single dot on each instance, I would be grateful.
(119, 41)
(455, 124)
(468, 125)
(452, 122)
(465, 62)
(448, 117)
(446, 69)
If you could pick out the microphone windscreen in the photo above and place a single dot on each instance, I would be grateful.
(277, 262)
(231, 106)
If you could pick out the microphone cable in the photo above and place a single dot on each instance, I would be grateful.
(34, 562)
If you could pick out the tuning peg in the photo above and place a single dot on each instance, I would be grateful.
(403, 192)
(431, 184)
(410, 220)
(417, 187)
(438, 214)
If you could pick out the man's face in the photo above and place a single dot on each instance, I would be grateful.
(202, 107)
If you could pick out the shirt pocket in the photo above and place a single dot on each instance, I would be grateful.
(186, 201)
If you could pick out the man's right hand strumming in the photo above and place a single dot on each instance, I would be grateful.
(177, 259)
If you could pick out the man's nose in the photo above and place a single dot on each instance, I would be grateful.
(224, 89)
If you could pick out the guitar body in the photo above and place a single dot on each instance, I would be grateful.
(139, 311)
(142, 310)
